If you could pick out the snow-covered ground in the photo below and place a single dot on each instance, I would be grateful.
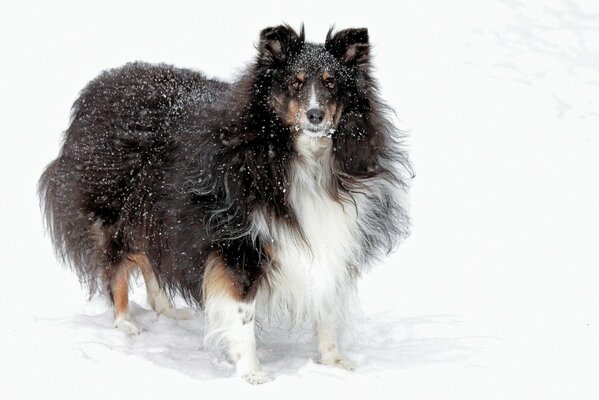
(495, 294)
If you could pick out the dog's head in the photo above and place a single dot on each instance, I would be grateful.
(312, 85)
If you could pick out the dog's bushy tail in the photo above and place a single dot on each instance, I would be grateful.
(70, 229)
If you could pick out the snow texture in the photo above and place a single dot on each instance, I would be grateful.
(495, 294)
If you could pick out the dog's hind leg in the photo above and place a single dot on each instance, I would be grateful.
(110, 257)
(230, 320)
(157, 297)
(119, 292)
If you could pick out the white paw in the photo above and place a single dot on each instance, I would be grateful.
(177, 313)
(257, 377)
(127, 325)
(338, 361)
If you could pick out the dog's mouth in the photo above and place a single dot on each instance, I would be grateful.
(319, 133)
(315, 131)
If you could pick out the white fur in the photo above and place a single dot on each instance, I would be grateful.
(126, 323)
(328, 345)
(315, 271)
(315, 276)
(312, 279)
(313, 103)
(160, 302)
(230, 323)
(316, 134)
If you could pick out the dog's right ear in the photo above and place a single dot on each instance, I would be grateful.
(278, 44)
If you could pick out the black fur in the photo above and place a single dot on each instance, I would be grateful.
(165, 161)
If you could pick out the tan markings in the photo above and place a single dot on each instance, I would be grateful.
(329, 113)
(141, 261)
(290, 116)
(218, 280)
(269, 250)
(301, 76)
(120, 288)
(120, 280)
(326, 75)
(271, 253)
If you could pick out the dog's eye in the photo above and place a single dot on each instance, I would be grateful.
(296, 84)
(330, 83)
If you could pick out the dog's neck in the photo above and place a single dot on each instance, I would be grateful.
(313, 165)
(310, 146)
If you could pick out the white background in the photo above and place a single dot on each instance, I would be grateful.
(495, 294)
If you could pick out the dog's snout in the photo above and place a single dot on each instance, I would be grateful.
(315, 116)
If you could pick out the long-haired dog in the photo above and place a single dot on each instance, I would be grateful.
(276, 190)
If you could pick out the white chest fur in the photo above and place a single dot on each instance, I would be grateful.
(314, 270)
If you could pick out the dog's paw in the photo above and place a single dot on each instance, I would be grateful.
(257, 377)
(178, 313)
(127, 325)
(339, 361)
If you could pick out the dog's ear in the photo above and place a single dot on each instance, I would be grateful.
(278, 44)
(350, 46)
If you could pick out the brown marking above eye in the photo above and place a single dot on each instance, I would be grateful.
(328, 80)
(297, 83)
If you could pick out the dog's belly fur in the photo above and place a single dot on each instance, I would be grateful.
(313, 273)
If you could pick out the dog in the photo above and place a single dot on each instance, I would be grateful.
(274, 192)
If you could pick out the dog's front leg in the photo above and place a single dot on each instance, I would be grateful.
(232, 322)
(327, 326)
(230, 315)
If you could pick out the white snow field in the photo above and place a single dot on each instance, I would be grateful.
(494, 296)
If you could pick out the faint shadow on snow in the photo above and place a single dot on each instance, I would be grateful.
(379, 342)
(386, 341)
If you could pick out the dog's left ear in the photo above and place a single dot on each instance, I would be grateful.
(350, 46)
(278, 44)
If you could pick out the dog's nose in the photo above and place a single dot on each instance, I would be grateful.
(315, 116)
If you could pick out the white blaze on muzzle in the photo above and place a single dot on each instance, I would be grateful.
(313, 103)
